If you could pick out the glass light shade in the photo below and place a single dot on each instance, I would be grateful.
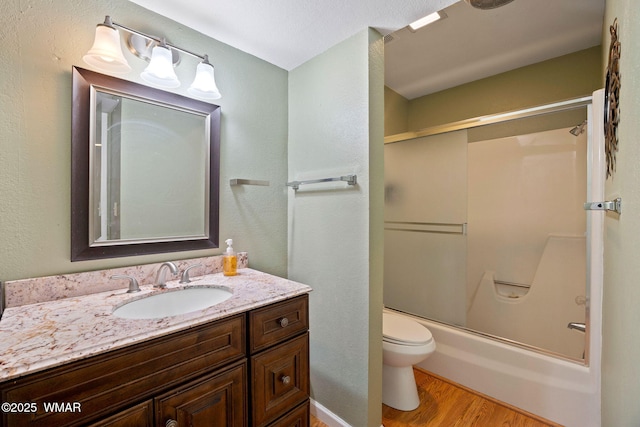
(423, 22)
(160, 71)
(204, 85)
(106, 52)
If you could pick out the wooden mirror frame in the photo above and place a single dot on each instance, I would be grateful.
(83, 81)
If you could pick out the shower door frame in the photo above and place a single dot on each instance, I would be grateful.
(595, 219)
(566, 105)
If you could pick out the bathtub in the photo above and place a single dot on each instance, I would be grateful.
(559, 390)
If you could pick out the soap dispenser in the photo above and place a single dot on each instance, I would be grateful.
(229, 261)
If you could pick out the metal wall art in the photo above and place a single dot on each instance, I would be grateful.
(612, 100)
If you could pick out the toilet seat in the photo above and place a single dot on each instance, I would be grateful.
(403, 331)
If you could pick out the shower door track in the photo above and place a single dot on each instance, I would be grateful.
(495, 338)
(570, 104)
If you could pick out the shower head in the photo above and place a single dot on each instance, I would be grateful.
(578, 129)
(487, 4)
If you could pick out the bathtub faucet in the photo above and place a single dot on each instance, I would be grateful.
(577, 326)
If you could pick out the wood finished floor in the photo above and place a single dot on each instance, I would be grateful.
(317, 423)
(447, 404)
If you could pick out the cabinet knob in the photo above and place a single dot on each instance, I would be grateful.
(284, 322)
(171, 423)
(286, 379)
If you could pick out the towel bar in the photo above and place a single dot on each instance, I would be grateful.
(349, 179)
(238, 181)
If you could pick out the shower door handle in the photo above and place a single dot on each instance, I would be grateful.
(610, 205)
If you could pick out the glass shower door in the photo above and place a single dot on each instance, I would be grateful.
(425, 222)
(485, 228)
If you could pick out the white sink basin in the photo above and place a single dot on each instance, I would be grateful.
(173, 303)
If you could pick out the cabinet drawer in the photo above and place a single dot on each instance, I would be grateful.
(110, 382)
(277, 322)
(280, 379)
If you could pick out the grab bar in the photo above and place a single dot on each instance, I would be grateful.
(517, 285)
(349, 179)
(426, 227)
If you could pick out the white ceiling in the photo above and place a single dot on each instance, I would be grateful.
(471, 44)
(288, 33)
(467, 45)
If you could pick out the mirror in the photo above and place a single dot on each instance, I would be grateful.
(145, 169)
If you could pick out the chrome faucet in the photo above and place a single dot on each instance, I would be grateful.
(184, 278)
(160, 276)
(133, 283)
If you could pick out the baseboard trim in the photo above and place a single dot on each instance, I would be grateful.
(326, 416)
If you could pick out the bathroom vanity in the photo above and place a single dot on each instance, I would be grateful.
(243, 362)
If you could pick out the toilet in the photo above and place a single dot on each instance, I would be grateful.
(405, 343)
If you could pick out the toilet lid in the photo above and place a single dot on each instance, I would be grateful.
(402, 330)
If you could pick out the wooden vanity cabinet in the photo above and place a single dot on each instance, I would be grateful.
(118, 385)
(299, 417)
(279, 363)
(251, 369)
(140, 415)
(219, 399)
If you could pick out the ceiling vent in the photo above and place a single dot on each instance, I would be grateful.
(487, 4)
(389, 38)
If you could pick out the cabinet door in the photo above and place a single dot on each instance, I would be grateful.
(299, 417)
(138, 416)
(280, 378)
(217, 400)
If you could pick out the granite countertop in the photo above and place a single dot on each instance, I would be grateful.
(38, 336)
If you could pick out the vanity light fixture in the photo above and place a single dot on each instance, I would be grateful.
(204, 85)
(106, 55)
(160, 71)
(429, 19)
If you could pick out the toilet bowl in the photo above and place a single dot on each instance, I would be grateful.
(405, 343)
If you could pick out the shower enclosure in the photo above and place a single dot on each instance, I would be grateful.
(485, 228)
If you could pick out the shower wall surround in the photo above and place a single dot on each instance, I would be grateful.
(489, 235)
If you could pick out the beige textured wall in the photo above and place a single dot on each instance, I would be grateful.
(396, 112)
(41, 40)
(621, 293)
(565, 77)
